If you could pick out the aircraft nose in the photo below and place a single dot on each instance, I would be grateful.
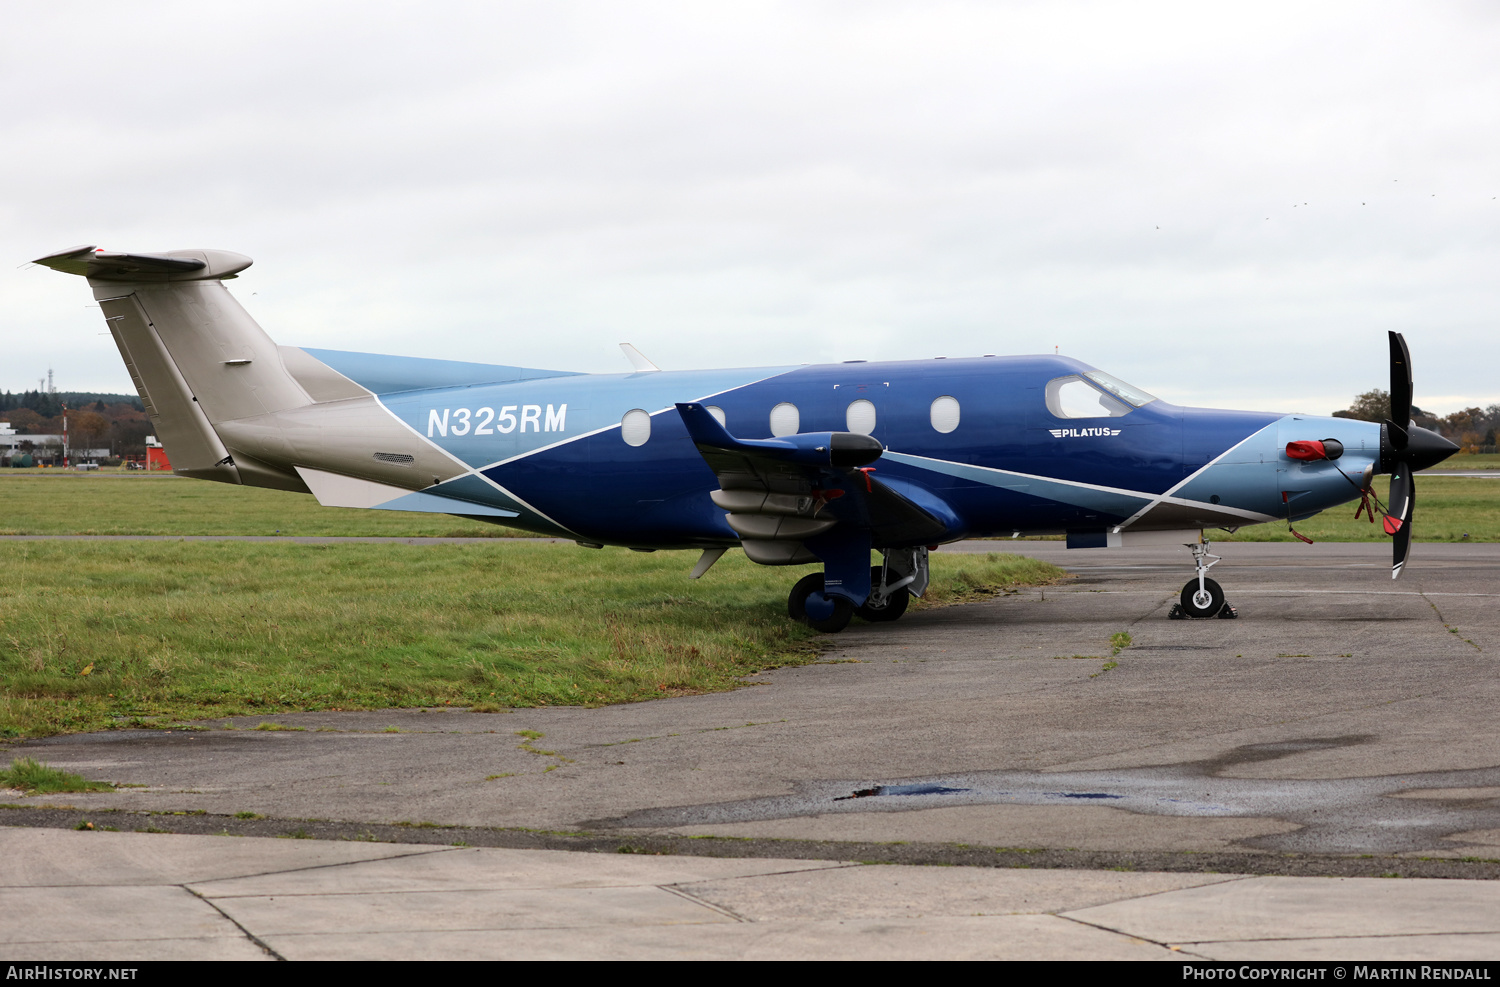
(1425, 448)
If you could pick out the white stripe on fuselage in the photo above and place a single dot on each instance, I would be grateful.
(1155, 499)
(1138, 494)
(615, 425)
(470, 471)
(1167, 498)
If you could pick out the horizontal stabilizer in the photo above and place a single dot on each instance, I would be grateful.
(174, 265)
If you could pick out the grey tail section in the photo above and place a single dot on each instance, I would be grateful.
(227, 403)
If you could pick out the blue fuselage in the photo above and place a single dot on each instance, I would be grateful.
(569, 454)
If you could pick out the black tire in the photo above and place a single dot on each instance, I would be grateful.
(796, 606)
(843, 612)
(1197, 608)
(893, 607)
(796, 601)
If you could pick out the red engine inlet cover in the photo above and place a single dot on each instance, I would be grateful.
(1310, 449)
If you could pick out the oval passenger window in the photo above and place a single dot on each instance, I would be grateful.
(718, 414)
(945, 413)
(785, 419)
(635, 427)
(860, 417)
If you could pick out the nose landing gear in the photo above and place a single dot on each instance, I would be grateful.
(1203, 598)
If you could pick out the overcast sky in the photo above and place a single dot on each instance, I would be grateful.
(1226, 205)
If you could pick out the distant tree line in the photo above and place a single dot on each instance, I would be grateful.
(95, 420)
(1473, 429)
(50, 405)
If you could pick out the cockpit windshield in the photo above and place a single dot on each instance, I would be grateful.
(1093, 394)
(1133, 396)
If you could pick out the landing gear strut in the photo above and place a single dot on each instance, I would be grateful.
(902, 574)
(888, 595)
(1202, 597)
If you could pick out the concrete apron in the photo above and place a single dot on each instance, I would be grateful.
(133, 896)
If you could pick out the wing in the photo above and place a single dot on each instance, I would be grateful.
(790, 489)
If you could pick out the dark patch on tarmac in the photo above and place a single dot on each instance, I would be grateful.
(920, 854)
(1349, 815)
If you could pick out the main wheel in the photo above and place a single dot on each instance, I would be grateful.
(1206, 602)
(806, 603)
(796, 601)
(893, 607)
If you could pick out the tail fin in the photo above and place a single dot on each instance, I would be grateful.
(229, 404)
(196, 357)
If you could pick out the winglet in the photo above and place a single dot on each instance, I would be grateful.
(837, 449)
(703, 428)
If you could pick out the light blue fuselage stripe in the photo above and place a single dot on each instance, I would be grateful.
(489, 423)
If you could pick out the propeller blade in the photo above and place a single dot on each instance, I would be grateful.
(1401, 387)
(1398, 521)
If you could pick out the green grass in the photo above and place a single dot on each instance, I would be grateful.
(963, 578)
(39, 779)
(1477, 461)
(1448, 507)
(198, 630)
(141, 634)
(143, 504)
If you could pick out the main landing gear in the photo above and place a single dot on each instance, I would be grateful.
(888, 595)
(1202, 598)
(808, 604)
(902, 575)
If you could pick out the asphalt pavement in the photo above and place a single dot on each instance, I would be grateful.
(1271, 772)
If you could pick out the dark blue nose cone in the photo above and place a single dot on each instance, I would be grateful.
(1424, 449)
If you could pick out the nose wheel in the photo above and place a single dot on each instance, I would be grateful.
(1201, 601)
(1202, 598)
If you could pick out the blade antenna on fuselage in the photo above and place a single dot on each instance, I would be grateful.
(638, 360)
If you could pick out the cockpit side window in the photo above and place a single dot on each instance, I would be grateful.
(1074, 397)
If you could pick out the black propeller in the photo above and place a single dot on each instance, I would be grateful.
(1405, 448)
(1398, 521)
(1400, 391)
